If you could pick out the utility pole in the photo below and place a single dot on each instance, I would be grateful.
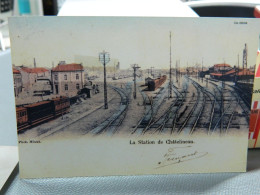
(176, 72)
(237, 71)
(135, 67)
(202, 71)
(223, 71)
(222, 99)
(104, 58)
(179, 72)
(152, 72)
(170, 72)
(245, 57)
(187, 70)
(179, 68)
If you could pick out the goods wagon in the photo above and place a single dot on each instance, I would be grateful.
(34, 114)
(156, 83)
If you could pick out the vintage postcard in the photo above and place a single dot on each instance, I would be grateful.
(99, 96)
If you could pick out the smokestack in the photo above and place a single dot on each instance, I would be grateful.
(34, 63)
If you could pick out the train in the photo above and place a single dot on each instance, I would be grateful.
(156, 83)
(31, 115)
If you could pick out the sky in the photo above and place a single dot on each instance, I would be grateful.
(131, 40)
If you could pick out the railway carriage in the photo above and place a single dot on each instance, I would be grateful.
(61, 105)
(40, 112)
(22, 118)
(37, 113)
(156, 83)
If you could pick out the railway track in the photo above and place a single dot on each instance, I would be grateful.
(150, 111)
(193, 116)
(245, 105)
(163, 120)
(217, 110)
(225, 117)
(68, 124)
(221, 118)
(111, 124)
(168, 121)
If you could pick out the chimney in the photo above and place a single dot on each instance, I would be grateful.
(34, 63)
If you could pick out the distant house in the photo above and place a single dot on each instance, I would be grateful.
(221, 67)
(67, 79)
(30, 75)
(17, 82)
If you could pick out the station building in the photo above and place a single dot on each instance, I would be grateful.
(67, 79)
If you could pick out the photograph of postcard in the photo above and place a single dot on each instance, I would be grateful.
(98, 96)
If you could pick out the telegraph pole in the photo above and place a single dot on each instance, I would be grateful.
(104, 58)
(179, 72)
(152, 74)
(245, 57)
(170, 72)
(176, 72)
(237, 71)
(223, 81)
(135, 67)
(202, 71)
(222, 99)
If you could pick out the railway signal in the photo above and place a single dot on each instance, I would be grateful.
(135, 67)
(104, 58)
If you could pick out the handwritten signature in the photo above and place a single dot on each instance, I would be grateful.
(176, 155)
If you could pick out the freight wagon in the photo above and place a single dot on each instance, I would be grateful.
(156, 83)
(34, 114)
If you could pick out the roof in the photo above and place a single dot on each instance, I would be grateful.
(245, 72)
(34, 70)
(37, 104)
(68, 67)
(18, 109)
(216, 74)
(222, 65)
(15, 71)
(60, 98)
(232, 71)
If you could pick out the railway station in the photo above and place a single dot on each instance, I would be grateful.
(211, 99)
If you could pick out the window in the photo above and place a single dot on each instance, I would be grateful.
(65, 77)
(56, 77)
(66, 87)
(77, 86)
(77, 76)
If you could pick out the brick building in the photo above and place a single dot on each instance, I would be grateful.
(30, 75)
(221, 68)
(67, 79)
